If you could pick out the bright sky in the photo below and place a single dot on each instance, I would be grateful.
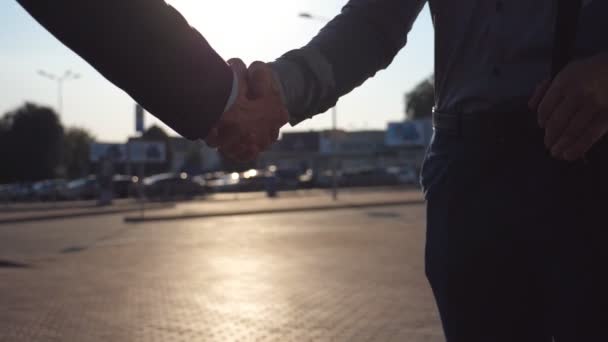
(272, 28)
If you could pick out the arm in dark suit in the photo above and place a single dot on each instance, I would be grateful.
(146, 48)
(362, 39)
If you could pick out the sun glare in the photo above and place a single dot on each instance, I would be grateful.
(242, 28)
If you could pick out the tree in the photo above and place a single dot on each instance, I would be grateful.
(76, 146)
(419, 101)
(32, 143)
(6, 169)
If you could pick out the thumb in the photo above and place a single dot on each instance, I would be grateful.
(538, 95)
(212, 139)
(261, 80)
(240, 69)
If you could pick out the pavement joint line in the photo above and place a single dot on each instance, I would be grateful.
(89, 213)
(190, 216)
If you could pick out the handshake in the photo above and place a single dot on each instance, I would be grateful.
(252, 123)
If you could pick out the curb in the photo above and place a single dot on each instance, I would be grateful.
(158, 218)
(49, 217)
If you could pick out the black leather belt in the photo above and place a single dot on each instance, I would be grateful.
(499, 124)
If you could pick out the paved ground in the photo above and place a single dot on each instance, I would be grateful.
(210, 205)
(347, 275)
(316, 200)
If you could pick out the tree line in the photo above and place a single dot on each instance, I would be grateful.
(34, 145)
(420, 100)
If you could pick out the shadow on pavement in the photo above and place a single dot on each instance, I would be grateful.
(12, 264)
(62, 215)
(73, 249)
(384, 214)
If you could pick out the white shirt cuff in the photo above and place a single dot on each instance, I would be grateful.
(234, 93)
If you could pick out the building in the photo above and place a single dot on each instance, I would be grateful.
(403, 144)
(193, 156)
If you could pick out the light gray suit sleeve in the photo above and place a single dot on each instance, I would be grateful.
(363, 39)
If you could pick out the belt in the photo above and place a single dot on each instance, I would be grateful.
(499, 124)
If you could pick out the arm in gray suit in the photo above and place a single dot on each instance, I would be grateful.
(360, 41)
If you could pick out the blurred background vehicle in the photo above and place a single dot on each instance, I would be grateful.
(407, 175)
(5, 193)
(48, 190)
(380, 176)
(23, 192)
(324, 178)
(170, 186)
(223, 182)
(306, 180)
(252, 180)
(288, 179)
(124, 186)
(86, 188)
(367, 177)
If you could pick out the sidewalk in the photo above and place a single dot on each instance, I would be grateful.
(313, 201)
(63, 212)
(54, 206)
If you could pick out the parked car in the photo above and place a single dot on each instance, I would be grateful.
(407, 175)
(124, 186)
(213, 175)
(325, 179)
(288, 179)
(49, 190)
(200, 180)
(22, 192)
(368, 177)
(10, 192)
(306, 180)
(86, 188)
(252, 180)
(5, 193)
(171, 186)
(225, 183)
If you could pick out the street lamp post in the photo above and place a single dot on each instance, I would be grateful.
(334, 119)
(67, 76)
(334, 150)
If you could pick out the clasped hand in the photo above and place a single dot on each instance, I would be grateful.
(253, 122)
(573, 108)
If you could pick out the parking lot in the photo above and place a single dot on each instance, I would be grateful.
(341, 275)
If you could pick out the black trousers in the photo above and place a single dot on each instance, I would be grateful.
(517, 241)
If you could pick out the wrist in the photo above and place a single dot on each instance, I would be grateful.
(234, 92)
(289, 80)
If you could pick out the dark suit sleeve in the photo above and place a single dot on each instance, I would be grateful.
(363, 39)
(146, 48)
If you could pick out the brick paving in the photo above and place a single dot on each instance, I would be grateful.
(348, 275)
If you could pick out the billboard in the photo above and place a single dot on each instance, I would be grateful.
(114, 152)
(409, 133)
(147, 152)
(300, 142)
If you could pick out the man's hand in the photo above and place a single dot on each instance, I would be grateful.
(573, 109)
(253, 122)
